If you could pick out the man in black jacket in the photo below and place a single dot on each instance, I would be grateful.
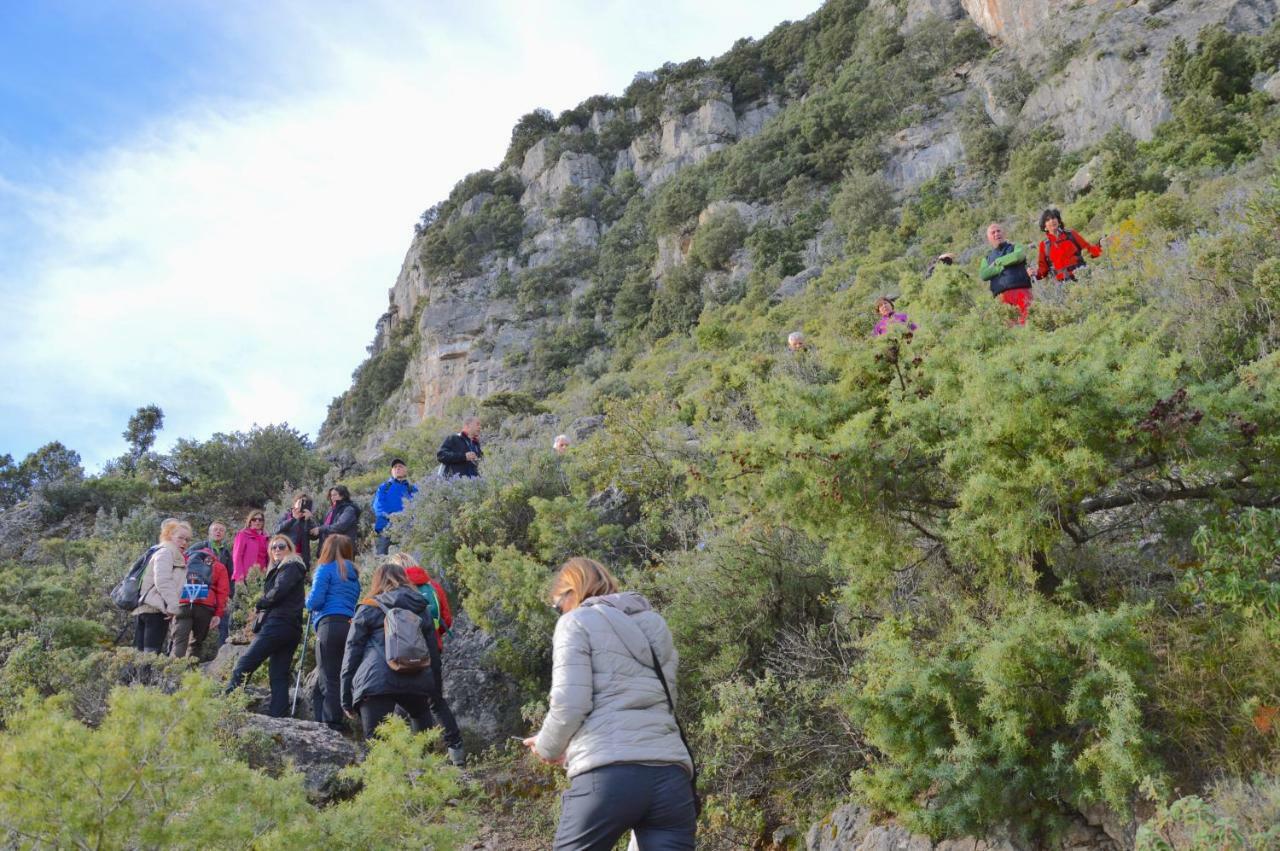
(460, 453)
(342, 519)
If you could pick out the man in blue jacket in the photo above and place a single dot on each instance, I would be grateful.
(390, 499)
(460, 453)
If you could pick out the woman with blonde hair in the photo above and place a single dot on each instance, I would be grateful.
(371, 686)
(611, 720)
(161, 588)
(277, 624)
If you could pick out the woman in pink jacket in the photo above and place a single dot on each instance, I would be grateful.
(249, 549)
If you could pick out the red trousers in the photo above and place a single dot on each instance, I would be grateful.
(1020, 299)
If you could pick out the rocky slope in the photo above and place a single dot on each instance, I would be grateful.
(1083, 68)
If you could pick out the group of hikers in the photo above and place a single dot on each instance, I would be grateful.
(1005, 268)
(186, 590)
(610, 721)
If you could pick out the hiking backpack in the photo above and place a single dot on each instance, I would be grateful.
(405, 645)
(199, 579)
(128, 594)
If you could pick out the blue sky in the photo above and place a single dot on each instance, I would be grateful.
(203, 204)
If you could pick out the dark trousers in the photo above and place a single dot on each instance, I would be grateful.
(190, 628)
(150, 632)
(423, 711)
(374, 708)
(275, 642)
(382, 545)
(656, 801)
(224, 626)
(439, 706)
(331, 643)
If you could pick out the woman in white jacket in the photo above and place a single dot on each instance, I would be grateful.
(610, 722)
(161, 586)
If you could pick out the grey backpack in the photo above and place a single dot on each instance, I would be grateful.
(127, 595)
(405, 645)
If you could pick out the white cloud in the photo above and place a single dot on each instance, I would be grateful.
(228, 262)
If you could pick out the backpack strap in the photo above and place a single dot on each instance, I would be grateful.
(1071, 235)
(671, 704)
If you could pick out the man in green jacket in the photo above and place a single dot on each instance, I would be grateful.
(1005, 269)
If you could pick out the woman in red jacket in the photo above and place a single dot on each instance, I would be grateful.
(1062, 250)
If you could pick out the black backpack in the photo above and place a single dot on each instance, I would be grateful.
(128, 594)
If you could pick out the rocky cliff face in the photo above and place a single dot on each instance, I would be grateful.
(1084, 68)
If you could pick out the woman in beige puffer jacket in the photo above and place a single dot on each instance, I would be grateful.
(610, 723)
(161, 586)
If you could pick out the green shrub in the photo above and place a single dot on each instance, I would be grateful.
(863, 203)
(129, 782)
(248, 468)
(531, 127)
(717, 238)
(677, 302)
(1236, 815)
(679, 200)
(506, 594)
(1017, 721)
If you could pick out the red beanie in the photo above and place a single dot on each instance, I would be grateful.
(416, 575)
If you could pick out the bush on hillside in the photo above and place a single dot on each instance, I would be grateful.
(245, 468)
(129, 782)
(717, 238)
(1018, 720)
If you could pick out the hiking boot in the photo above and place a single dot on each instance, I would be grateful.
(457, 756)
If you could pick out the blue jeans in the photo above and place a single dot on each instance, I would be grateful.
(275, 642)
(656, 801)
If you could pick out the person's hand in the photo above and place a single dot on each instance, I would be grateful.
(529, 743)
(214, 621)
(350, 714)
(315, 533)
(471, 456)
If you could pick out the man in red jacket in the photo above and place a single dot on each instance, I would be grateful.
(1062, 250)
(204, 600)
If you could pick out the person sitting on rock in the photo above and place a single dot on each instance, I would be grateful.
(884, 307)
(1062, 250)
(1005, 269)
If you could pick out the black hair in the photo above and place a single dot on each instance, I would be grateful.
(1052, 213)
(343, 492)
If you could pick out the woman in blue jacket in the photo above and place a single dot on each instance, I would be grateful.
(332, 603)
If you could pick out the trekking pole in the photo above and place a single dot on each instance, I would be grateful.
(302, 657)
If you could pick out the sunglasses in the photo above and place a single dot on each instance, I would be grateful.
(257, 520)
(279, 547)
